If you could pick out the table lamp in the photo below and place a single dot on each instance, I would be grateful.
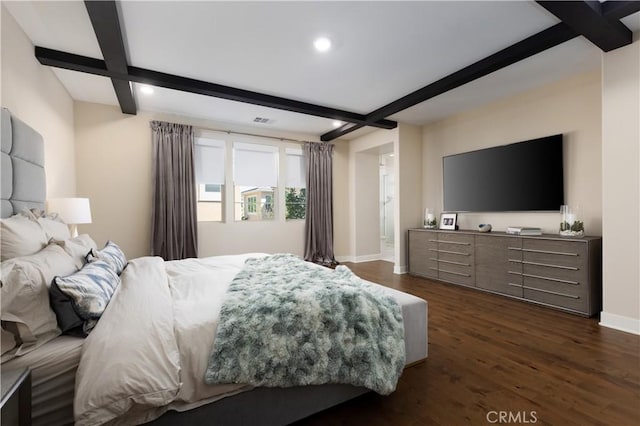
(73, 211)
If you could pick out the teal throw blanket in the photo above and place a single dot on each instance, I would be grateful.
(286, 322)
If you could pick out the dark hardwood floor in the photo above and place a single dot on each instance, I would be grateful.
(489, 354)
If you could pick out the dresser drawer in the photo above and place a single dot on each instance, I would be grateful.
(566, 274)
(420, 252)
(555, 253)
(556, 293)
(456, 274)
(449, 242)
(493, 269)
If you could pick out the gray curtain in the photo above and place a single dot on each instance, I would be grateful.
(318, 246)
(174, 220)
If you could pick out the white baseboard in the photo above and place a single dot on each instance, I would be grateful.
(399, 269)
(619, 322)
(367, 258)
(360, 259)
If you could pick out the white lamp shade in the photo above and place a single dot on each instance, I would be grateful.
(71, 210)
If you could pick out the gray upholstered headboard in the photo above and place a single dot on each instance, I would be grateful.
(21, 167)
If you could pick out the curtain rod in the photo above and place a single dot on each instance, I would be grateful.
(254, 134)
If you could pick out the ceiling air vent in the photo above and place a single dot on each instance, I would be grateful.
(263, 120)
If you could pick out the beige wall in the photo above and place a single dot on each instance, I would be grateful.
(341, 199)
(409, 209)
(367, 200)
(621, 187)
(34, 94)
(114, 170)
(571, 107)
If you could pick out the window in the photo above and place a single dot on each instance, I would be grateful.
(295, 191)
(255, 169)
(209, 169)
(252, 204)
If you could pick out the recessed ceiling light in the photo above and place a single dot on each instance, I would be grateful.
(337, 123)
(322, 44)
(147, 90)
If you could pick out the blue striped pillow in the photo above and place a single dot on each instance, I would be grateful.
(112, 254)
(89, 290)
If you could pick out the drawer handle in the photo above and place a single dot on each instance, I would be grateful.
(561, 253)
(515, 260)
(551, 292)
(450, 242)
(558, 280)
(451, 252)
(514, 272)
(455, 273)
(515, 285)
(451, 262)
(549, 265)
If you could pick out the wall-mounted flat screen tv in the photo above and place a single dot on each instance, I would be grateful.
(523, 176)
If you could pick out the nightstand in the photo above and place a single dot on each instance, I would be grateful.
(16, 397)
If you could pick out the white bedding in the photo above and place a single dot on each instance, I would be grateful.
(150, 349)
(53, 371)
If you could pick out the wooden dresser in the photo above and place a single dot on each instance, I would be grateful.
(560, 272)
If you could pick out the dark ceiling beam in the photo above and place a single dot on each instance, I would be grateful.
(106, 25)
(74, 62)
(587, 18)
(620, 9)
(530, 46)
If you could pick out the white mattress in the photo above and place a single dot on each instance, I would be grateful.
(53, 375)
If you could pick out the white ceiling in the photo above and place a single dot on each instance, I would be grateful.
(382, 51)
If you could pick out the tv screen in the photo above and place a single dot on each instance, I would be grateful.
(523, 176)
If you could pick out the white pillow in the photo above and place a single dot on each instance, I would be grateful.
(25, 295)
(52, 224)
(20, 236)
(7, 341)
(78, 248)
(54, 229)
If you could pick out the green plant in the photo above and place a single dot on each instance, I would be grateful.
(577, 226)
(295, 201)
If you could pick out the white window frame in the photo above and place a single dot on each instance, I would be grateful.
(228, 187)
(202, 196)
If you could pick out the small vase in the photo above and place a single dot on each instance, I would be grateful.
(571, 224)
(430, 221)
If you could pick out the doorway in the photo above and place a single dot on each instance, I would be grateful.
(387, 197)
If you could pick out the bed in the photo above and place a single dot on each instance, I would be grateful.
(55, 363)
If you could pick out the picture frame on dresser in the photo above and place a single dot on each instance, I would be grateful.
(448, 221)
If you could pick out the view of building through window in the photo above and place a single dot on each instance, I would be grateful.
(256, 170)
(255, 175)
(254, 203)
(210, 202)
